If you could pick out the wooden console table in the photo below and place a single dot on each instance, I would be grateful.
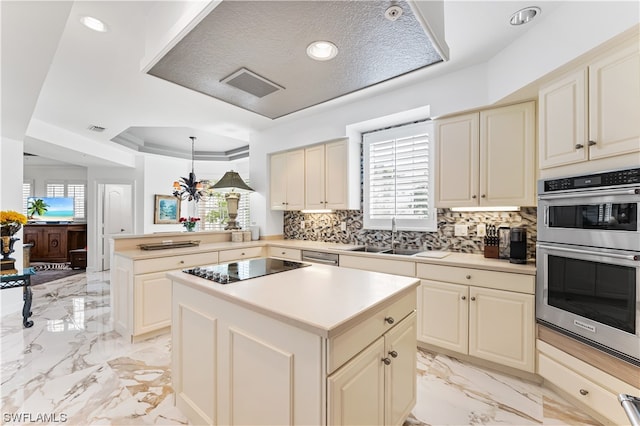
(21, 279)
(53, 242)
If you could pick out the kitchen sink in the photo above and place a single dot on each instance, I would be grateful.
(404, 252)
(387, 250)
(370, 249)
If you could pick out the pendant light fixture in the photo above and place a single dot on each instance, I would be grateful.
(190, 188)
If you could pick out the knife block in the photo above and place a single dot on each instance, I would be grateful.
(491, 252)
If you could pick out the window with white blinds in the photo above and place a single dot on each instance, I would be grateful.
(398, 178)
(70, 189)
(213, 211)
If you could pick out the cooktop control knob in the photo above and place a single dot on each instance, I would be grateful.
(224, 279)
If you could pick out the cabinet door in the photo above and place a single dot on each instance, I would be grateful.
(507, 156)
(336, 175)
(444, 315)
(400, 380)
(614, 103)
(356, 390)
(295, 180)
(314, 169)
(278, 183)
(457, 161)
(34, 236)
(501, 327)
(152, 302)
(55, 243)
(563, 121)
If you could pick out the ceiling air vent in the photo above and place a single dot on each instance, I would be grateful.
(251, 82)
(96, 128)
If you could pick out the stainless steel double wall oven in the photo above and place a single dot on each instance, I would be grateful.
(588, 259)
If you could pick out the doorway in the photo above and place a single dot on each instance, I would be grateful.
(117, 217)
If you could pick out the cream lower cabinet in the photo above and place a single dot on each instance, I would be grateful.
(378, 264)
(141, 293)
(378, 386)
(488, 323)
(232, 365)
(226, 256)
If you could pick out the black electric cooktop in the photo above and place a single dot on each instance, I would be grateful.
(244, 269)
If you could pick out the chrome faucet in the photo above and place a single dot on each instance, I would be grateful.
(394, 234)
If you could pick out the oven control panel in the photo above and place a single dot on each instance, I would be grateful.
(616, 178)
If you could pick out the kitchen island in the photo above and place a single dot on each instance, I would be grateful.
(314, 345)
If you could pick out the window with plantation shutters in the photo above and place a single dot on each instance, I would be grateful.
(398, 178)
(213, 211)
(27, 191)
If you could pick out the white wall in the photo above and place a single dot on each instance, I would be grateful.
(543, 49)
(11, 199)
(558, 39)
(457, 91)
(159, 174)
(41, 175)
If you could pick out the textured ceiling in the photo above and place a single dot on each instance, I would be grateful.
(270, 39)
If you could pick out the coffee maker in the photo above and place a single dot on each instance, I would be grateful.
(518, 245)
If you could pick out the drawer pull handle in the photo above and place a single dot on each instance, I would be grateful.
(283, 253)
(464, 298)
(474, 197)
(592, 143)
(584, 392)
(579, 146)
(393, 354)
(473, 298)
(181, 262)
(389, 320)
(386, 361)
(242, 254)
(468, 277)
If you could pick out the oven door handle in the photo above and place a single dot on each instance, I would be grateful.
(597, 253)
(599, 193)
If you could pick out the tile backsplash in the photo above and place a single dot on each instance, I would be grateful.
(327, 227)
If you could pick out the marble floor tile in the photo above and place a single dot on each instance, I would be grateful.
(71, 367)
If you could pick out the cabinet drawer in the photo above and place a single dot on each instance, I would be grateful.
(582, 390)
(284, 253)
(378, 264)
(343, 347)
(520, 283)
(169, 263)
(239, 254)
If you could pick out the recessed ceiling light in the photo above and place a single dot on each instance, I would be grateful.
(524, 15)
(94, 23)
(322, 50)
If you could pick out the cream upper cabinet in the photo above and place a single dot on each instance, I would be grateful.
(592, 113)
(287, 180)
(326, 176)
(487, 158)
(457, 161)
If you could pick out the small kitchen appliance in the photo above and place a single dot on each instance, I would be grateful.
(518, 245)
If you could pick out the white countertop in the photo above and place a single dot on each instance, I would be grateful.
(456, 259)
(322, 299)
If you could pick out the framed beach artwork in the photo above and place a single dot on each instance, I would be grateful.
(167, 209)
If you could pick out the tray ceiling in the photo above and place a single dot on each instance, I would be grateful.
(269, 40)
